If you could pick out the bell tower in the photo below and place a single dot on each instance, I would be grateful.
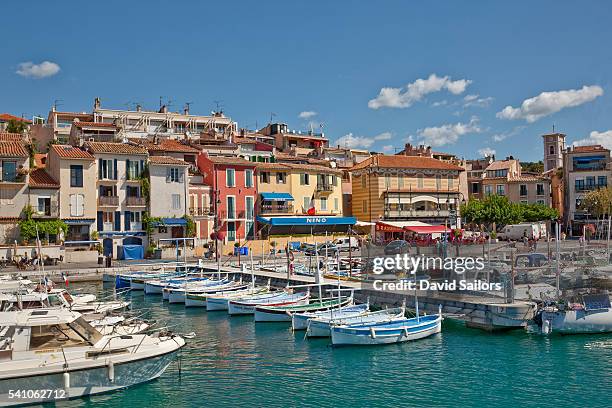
(554, 145)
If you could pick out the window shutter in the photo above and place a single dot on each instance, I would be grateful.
(127, 215)
(117, 220)
(168, 175)
(127, 169)
(141, 169)
(73, 205)
(181, 174)
(99, 168)
(80, 205)
(115, 169)
(100, 221)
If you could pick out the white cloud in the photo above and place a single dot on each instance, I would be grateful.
(477, 101)
(383, 136)
(37, 71)
(387, 148)
(439, 103)
(448, 134)
(485, 152)
(349, 140)
(597, 138)
(498, 137)
(307, 114)
(548, 103)
(415, 91)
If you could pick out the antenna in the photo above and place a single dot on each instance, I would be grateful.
(169, 104)
(57, 103)
(272, 115)
(218, 105)
(161, 101)
(553, 128)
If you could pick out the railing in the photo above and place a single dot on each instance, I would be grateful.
(108, 226)
(200, 211)
(13, 178)
(235, 215)
(108, 200)
(47, 211)
(590, 187)
(135, 226)
(415, 213)
(271, 208)
(324, 187)
(135, 201)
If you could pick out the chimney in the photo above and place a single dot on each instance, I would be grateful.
(96, 103)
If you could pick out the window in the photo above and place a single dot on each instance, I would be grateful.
(524, 202)
(400, 181)
(231, 207)
(176, 201)
(579, 184)
(602, 181)
(551, 164)
(230, 177)
(248, 178)
(541, 202)
(323, 204)
(306, 203)
(336, 204)
(552, 149)
(590, 182)
(475, 188)
(420, 181)
(497, 173)
(501, 190)
(250, 206)
(523, 190)
(108, 217)
(451, 182)
(304, 179)
(438, 182)
(174, 175)
(77, 205)
(334, 180)
(281, 178)
(264, 177)
(540, 189)
(135, 216)
(488, 189)
(9, 171)
(363, 181)
(387, 181)
(44, 206)
(364, 205)
(76, 175)
(106, 169)
(132, 169)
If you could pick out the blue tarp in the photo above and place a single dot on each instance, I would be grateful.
(132, 252)
(310, 220)
(277, 196)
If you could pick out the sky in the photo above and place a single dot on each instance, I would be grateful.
(469, 78)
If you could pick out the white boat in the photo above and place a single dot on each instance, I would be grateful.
(156, 286)
(179, 295)
(284, 313)
(299, 321)
(397, 331)
(175, 286)
(593, 315)
(219, 301)
(119, 325)
(320, 326)
(9, 284)
(59, 354)
(243, 306)
(199, 298)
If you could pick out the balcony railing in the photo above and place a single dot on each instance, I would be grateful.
(235, 215)
(271, 208)
(13, 178)
(416, 213)
(136, 201)
(108, 201)
(590, 187)
(324, 187)
(200, 211)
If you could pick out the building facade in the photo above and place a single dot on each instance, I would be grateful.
(14, 169)
(554, 146)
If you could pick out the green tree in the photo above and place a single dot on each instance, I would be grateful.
(598, 202)
(16, 126)
(533, 167)
(497, 211)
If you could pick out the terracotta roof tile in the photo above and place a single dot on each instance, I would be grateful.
(115, 148)
(405, 162)
(11, 137)
(40, 159)
(13, 149)
(5, 117)
(166, 145)
(166, 160)
(294, 166)
(82, 124)
(39, 178)
(75, 114)
(231, 160)
(71, 152)
(590, 148)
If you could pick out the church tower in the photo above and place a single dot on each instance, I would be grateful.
(554, 145)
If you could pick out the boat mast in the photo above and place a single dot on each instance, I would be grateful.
(557, 255)
(252, 270)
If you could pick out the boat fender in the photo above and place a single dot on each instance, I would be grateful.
(111, 371)
(405, 331)
(66, 381)
(546, 328)
(372, 333)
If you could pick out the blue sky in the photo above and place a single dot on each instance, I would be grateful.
(332, 58)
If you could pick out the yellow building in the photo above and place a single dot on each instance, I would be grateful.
(287, 190)
(406, 188)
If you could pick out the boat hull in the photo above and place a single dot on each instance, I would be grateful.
(344, 336)
(176, 296)
(151, 289)
(195, 300)
(216, 304)
(267, 316)
(578, 321)
(137, 284)
(165, 294)
(85, 382)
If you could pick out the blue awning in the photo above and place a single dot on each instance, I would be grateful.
(277, 196)
(310, 220)
(84, 221)
(170, 222)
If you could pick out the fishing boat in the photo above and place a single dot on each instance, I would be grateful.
(178, 295)
(592, 315)
(197, 298)
(218, 301)
(156, 286)
(118, 325)
(397, 331)
(284, 313)
(299, 321)
(320, 326)
(62, 356)
(242, 306)
(181, 286)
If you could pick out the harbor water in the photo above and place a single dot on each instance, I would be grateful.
(234, 362)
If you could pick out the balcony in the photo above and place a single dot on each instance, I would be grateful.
(276, 209)
(589, 187)
(11, 179)
(200, 211)
(416, 214)
(324, 188)
(108, 201)
(135, 201)
(232, 215)
(47, 211)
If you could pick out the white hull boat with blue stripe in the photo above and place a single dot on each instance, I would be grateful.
(198, 298)
(320, 326)
(156, 286)
(299, 321)
(220, 301)
(242, 307)
(179, 289)
(398, 331)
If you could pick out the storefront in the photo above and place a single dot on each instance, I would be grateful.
(304, 225)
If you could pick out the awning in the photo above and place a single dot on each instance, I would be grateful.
(429, 229)
(277, 196)
(397, 226)
(170, 222)
(84, 221)
(314, 220)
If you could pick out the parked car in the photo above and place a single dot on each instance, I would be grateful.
(329, 248)
(399, 246)
(347, 244)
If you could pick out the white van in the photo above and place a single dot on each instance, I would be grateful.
(346, 244)
(516, 232)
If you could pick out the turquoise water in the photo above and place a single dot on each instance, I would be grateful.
(236, 363)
